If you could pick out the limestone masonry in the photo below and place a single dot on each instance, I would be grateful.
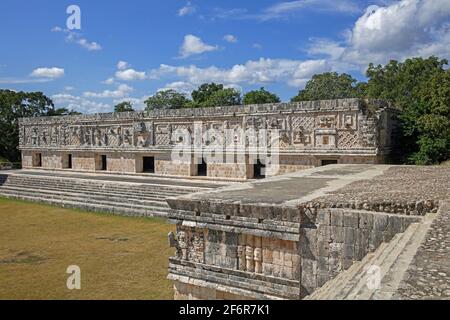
(310, 134)
(287, 237)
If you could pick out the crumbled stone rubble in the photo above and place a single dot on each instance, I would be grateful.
(402, 190)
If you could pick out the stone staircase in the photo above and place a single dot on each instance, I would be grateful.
(130, 198)
(387, 264)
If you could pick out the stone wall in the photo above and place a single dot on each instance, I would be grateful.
(309, 132)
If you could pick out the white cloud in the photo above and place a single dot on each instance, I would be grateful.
(230, 38)
(74, 37)
(194, 45)
(186, 10)
(122, 90)
(286, 9)
(68, 88)
(79, 104)
(400, 30)
(325, 47)
(23, 80)
(52, 73)
(180, 86)
(109, 81)
(122, 65)
(257, 46)
(291, 72)
(130, 75)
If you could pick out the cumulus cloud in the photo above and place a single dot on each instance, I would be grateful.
(230, 38)
(180, 86)
(400, 30)
(79, 104)
(74, 37)
(52, 73)
(122, 65)
(130, 75)
(194, 45)
(186, 10)
(122, 90)
(291, 72)
(109, 81)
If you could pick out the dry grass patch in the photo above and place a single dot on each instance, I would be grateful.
(119, 257)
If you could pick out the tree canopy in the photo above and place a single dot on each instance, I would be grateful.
(329, 85)
(214, 95)
(166, 99)
(15, 105)
(260, 96)
(124, 106)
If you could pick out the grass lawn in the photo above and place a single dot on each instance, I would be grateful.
(119, 257)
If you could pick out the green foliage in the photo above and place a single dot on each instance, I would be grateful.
(329, 85)
(214, 95)
(166, 99)
(124, 106)
(62, 112)
(260, 96)
(223, 97)
(204, 92)
(433, 120)
(419, 88)
(15, 105)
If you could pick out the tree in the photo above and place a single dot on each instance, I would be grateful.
(62, 112)
(166, 99)
(204, 92)
(223, 97)
(260, 96)
(329, 85)
(415, 87)
(433, 120)
(15, 105)
(124, 106)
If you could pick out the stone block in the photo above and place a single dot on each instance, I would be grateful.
(337, 234)
(337, 218)
(380, 222)
(348, 252)
(323, 217)
(365, 220)
(350, 236)
(351, 219)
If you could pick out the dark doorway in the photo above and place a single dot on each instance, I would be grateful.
(259, 170)
(69, 161)
(39, 160)
(328, 162)
(149, 164)
(202, 169)
(104, 166)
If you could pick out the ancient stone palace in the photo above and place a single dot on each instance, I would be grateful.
(309, 134)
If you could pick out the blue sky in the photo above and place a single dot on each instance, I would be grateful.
(127, 50)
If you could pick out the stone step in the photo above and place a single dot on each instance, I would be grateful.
(155, 194)
(116, 208)
(352, 283)
(109, 185)
(163, 183)
(87, 195)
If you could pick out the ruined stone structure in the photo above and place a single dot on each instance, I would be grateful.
(335, 232)
(310, 134)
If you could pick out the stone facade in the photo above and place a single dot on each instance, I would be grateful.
(287, 236)
(310, 134)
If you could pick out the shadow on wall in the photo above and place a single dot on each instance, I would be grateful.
(3, 179)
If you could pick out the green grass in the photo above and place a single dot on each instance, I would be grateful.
(119, 257)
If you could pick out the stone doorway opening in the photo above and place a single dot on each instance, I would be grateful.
(37, 160)
(148, 164)
(328, 162)
(202, 169)
(259, 170)
(69, 161)
(103, 163)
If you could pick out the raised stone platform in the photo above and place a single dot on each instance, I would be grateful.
(287, 236)
(118, 194)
